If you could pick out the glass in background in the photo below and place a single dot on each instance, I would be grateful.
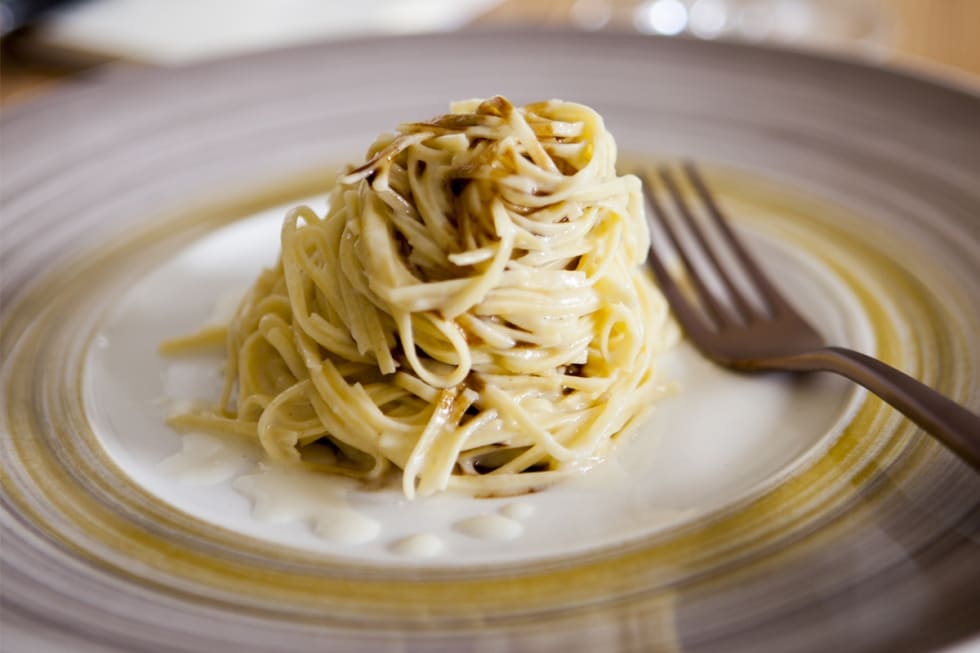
(821, 24)
(920, 32)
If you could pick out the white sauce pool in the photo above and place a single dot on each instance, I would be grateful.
(282, 494)
(206, 459)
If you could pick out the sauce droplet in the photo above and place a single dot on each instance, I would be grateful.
(421, 545)
(490, 527)
(519, 511)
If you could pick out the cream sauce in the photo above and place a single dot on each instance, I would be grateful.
(206, 459)
(519, 511)
(420, 545)
(282, 494)
(490, 527)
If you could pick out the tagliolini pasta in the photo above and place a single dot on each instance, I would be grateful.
(472, 309)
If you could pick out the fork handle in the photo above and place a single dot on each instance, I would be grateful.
(952, 424)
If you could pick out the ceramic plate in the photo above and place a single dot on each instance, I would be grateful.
(748, 513)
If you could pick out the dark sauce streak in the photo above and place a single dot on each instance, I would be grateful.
(475, 382)
(482, 469)
(472, 339)
(496, 106)
(458, 184)
(404, 248)
(564, 166)
(453, 122)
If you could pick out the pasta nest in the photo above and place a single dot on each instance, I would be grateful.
(471, 309)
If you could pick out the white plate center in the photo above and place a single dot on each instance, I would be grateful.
(721, 437)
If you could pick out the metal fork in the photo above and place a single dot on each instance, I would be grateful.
(743, 336)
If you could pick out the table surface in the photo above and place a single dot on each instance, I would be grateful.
(940, 37)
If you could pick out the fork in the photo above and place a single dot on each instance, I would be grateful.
(740, 335)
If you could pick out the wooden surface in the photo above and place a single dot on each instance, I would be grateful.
(943, 31)
(944, 34)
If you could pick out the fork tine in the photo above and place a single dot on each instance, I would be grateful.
(718, 313)
(777, 304)
(683, 309)
(742, 308)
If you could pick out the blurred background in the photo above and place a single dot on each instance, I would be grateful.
(47, 43)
